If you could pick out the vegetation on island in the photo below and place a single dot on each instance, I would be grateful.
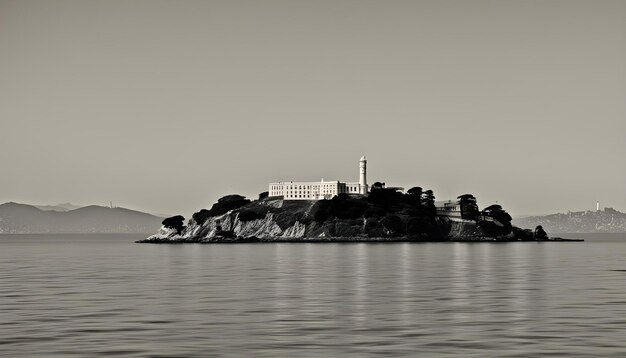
(223, 205)
(176, 222)
(385, 213)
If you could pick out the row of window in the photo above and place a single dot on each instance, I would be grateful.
(328, 191)
(304, 191)
(299, 187)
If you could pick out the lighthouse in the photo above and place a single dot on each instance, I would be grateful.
(363, 176)
(320, 190)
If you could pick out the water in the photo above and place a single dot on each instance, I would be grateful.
(96, 295)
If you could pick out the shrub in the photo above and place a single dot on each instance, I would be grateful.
(201, 216)
(414, 226)
(321, 210)
(175, 222)
(385, 197)
(228, 203)
(223, 205)
(286, 219)
(393, 224)
(249, 215)
(374, 212)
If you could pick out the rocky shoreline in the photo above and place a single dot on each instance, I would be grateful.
(241, 240)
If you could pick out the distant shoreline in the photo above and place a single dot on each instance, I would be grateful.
(73, 233)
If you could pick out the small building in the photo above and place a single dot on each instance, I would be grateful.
(450, 208)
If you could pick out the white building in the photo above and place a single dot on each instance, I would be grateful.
(448, 208)
(322, 189)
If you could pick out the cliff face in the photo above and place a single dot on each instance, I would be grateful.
(271, 226)
(458, 229)
(274, 219)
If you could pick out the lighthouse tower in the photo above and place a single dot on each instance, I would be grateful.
(363, 176)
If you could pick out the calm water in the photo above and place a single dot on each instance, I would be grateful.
(95, 295)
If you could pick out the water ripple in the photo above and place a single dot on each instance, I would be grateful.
(102, 295)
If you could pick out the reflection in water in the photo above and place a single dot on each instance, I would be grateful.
(103, 295)
(360, 282)
(404, 285)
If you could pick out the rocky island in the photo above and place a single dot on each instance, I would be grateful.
(381, 215)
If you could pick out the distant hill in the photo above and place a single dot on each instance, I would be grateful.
(22, 218)
(608, 220)
(58, 207)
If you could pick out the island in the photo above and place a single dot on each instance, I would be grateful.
(335, 211)
(383, 215)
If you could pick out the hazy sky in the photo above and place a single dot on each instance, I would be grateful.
(165, 106)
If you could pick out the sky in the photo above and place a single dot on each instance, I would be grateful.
(166, 106)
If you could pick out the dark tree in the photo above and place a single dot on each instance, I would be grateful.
(175, 222)
(322, 210)
(416, 190)
(413, 226)
(414, 196)
(374, 212)
(540, 234)
(469, 207)
(264, 195)
(377, 185)
(341, 206)
(495, 211)
(228, 203)
(393, 225)
(428, 202)
(201, 216)
(522, 234)
(495, 221)
(387, 198)
(223, 205)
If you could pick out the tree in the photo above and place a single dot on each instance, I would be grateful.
(540, 234)
(385, 197)
(414, 196)
(496, 221)
(496, 212)
(416, 190)
(393, 225)
(428, 202)
(469, 207)
(264, 195)
(175, 222)
(223, 205)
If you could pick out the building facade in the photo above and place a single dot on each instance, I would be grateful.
(320, 190)
(448, 208)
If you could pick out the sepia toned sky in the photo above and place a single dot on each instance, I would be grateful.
(165, 106)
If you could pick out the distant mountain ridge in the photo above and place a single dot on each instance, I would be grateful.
(58, 207)
(29, 219)
(608, 220)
